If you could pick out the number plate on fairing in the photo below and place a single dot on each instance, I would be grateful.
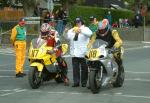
(94, 53)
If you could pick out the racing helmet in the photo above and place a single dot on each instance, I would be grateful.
(103, 27)
(45, 29)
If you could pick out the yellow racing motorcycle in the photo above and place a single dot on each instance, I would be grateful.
(43, 63)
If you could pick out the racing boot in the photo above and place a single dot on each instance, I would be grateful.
(66, 82)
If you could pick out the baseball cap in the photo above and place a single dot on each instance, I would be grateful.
(92, 18)
(77, 20)
(22, 21)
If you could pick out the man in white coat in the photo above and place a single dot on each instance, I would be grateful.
(78, 37)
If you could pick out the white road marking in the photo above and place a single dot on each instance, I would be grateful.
(146, 47)
(115, 94)
(147, 42)
(6, 76)
(13, 92)
(10, 64)
(138, 79)
(118, 94)
(133, 72)
(128, 96)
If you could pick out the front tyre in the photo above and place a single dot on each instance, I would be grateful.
(120, 78)
(95, 81)
(34, 79)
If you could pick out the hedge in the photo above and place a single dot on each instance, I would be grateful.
(85, 12)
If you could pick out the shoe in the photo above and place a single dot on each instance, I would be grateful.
(75, 85)
(24, 74)
(66, 82)
(83, 85)
(19, 75)
(88, 87)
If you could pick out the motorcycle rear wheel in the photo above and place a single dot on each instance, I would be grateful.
(120, 78)
(34, 79)
(59, 79)
(94, 81)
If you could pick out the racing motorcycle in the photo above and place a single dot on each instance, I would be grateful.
(43, 63)
(103, 68)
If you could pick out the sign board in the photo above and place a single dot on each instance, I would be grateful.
(33, 25)
(32, 20)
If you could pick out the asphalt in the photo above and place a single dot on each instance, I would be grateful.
(135, 89)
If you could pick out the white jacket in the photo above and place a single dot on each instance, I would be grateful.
(79, 47)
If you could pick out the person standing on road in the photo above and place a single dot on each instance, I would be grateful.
(18, 38)
(79, 37)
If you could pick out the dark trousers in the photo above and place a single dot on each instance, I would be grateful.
(77, 64)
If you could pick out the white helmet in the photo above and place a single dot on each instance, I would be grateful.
(45, 29)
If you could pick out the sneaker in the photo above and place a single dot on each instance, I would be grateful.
(24, 74)
(18, 75)
(83, 85)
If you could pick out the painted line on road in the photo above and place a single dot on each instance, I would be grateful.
(146, 47)
(10, 64)
(147, 42)
(138, 79)
(137, 72)
(115, 94)
(6, 76)
(128, 96)
(14, 91)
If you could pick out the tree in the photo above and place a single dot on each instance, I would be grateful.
(29, 6)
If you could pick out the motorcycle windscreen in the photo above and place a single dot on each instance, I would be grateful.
(38, 42)
(95, 51)
(98, 43)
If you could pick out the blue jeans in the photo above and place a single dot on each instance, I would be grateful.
(60, 27)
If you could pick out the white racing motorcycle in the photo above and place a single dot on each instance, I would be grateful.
(103, 68)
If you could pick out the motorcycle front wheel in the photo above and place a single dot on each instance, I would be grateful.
(95, 81)
(34, 79)
(120, 78)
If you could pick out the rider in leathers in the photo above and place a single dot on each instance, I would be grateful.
(105, 33)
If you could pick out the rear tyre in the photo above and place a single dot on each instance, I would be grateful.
(59, 79)
(95, 81)
(120, 78)
(34, 79)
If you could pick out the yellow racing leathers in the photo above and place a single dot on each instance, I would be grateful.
(18, 38)
(113, 40)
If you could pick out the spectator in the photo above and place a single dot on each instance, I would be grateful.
(61, 17)
(18, 38)
(79, 37)
(138, 20)
(94, 24)
(47, 18)
(109, 17)
(120, 22)
(115, 25)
